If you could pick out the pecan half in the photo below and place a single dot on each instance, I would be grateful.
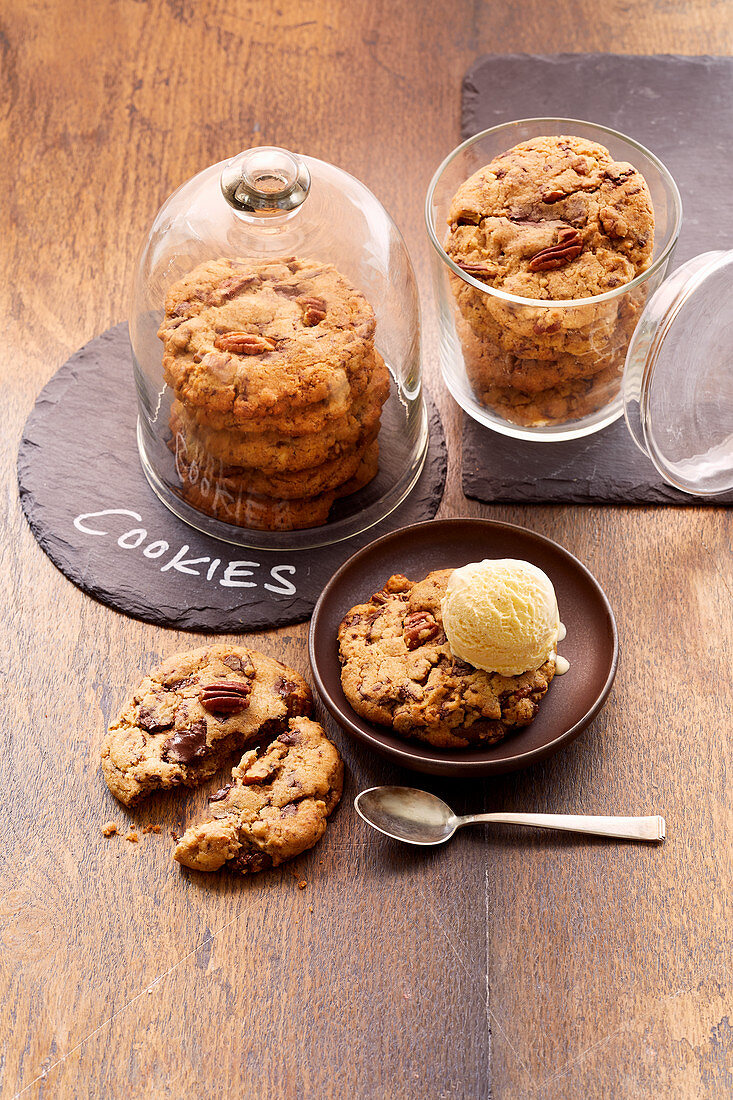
(553, 195)
(475, 268)
(569, 245)
(314, 310)
(226, 696)
(420, 627)
(231, 287)
(243, 343)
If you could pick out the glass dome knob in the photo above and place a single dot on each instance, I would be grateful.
(265, 181)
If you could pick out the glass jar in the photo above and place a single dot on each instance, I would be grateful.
(275, 334)
(537, 368)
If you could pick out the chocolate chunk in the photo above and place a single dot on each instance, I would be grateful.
(148, 720)
(217, 796)
(176, 685)
(291, 737)
(290, 810)
(187, 745)
(292, 696)
(250, 860)
(234, 663)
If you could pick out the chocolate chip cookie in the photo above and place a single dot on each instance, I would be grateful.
(193, 711)
(553, 219)
(307, 438)
(253, 340)
(398, 671)
(280, 484)
(275, 807)
(246, 509)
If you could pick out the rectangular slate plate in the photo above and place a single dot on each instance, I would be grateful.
(682, 109)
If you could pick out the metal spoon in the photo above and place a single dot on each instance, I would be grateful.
(418, 817)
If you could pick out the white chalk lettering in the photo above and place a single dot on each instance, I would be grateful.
(156, 549)
(79, 521)
(238, 569)
(180, 565)
(286, 588)
(236, 574)
(132, 539)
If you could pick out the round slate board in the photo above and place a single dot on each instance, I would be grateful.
(92, 511)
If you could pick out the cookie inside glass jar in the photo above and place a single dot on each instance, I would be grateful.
(552, 220)
(278, 390)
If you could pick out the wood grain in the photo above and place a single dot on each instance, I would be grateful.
(502, 966)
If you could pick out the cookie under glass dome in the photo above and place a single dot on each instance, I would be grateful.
(275, 334)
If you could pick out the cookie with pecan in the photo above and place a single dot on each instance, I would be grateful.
(250, 341)
(398, 670)
(275, 807)
(552, 220)
(280, 484)
(193, 711)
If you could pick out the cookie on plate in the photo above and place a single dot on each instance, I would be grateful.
(275, 807)
(398, 671)
(193, 711)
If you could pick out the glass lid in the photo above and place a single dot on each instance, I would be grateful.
(275, 332)
(678, 380)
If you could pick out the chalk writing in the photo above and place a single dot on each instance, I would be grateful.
(227, 573)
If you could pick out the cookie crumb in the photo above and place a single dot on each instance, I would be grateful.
(132, 837)
(110, 829)
(310, 908)
(175, 835)
(151, 829)
(302, 884)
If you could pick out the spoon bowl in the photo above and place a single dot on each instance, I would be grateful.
(404, 813)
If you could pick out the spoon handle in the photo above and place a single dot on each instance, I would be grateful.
(633, 828)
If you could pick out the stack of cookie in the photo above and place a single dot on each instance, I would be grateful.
(553, 219)
(278, 390)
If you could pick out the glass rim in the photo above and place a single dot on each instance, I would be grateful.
(690, 285)
(564, 303)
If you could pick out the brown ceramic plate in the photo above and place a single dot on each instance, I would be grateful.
(572, 701)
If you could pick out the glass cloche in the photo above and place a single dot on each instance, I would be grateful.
(275, 333)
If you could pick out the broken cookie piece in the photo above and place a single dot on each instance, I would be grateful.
(192, 712)
(275, 807)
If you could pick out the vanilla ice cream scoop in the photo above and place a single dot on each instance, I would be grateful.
(501, 615)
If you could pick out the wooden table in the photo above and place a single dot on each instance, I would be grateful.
(505, 965)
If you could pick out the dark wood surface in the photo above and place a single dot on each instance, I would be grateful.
(504, 965)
